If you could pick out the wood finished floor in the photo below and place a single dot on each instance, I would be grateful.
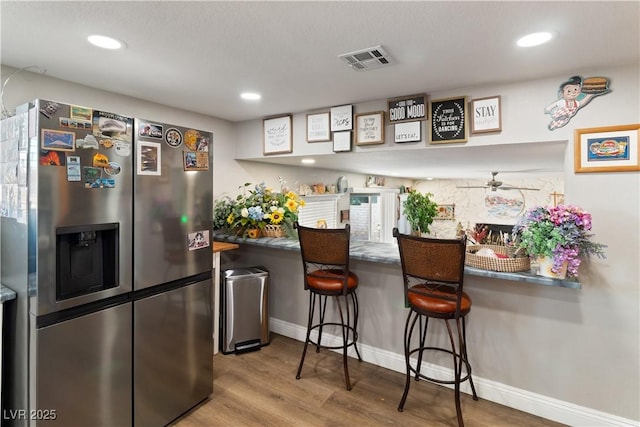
(260, 389)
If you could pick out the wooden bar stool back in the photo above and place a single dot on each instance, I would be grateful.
(325, 261)
(433, 276)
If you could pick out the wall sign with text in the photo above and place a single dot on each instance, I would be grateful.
(449, 120)
(407, 108)
(277, 135)
(407, 132)
(486, 114)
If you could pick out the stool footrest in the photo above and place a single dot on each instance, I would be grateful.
(414, 369)
(351, 334)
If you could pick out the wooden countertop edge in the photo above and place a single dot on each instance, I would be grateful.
(224, 246)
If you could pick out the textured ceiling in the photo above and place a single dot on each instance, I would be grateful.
(198, 56)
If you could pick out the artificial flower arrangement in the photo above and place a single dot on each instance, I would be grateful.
(256, 208)
(560, 232)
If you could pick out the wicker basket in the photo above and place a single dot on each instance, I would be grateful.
(271, 230)
(509, 265)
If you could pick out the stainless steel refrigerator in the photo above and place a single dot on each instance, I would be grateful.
(105, 238)
(172, 312)
(66, 226)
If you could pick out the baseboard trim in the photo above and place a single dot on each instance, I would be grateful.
(522, 400)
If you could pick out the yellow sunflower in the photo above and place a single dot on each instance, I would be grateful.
(292, 205)
(276, 217)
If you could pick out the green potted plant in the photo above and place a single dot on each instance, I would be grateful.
(559, 236)
(420, 211)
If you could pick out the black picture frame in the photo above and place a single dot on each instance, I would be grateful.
(449, 120)
(408, 108)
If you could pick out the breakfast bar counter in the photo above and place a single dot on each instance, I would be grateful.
(387, 253)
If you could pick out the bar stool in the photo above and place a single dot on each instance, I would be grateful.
(325, 261)
(433, 275)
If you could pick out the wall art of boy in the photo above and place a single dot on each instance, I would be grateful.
(574, 94)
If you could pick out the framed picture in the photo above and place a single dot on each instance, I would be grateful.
(318, 127)
(57, 140)
(342, 141)
(407, 132)
(195, 160)
(149, 159)
(407, 108)
(446, 212)
(370, 128)
(607, 149)
(277, 135)
(486, 115)
(81, 113)
(342, 118)
(449, 120)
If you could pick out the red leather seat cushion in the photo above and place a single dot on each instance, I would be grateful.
(437, 301)
(331, 280)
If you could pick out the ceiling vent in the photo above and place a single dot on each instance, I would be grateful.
(367, 59)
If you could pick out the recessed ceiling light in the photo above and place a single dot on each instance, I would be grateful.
(534, 39)
(105, 42)
(308, 161)
(250, 96)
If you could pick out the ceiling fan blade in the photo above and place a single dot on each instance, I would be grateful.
(508, 187)
(472, 186)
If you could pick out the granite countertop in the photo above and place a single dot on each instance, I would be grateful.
(6, 294)
(387, 253)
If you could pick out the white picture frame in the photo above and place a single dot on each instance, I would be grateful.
(342, 141)
(318, 127)
(370, 128)
(407, 132)
(486, 115)
(277, 135)
(342, 118)
(149, 159)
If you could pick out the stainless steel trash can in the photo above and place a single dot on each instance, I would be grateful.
(244, 310)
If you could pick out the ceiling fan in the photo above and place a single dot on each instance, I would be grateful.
(493, 184)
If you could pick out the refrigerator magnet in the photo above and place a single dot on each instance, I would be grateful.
(58, 140)
(198, 240)
(106, 143)
(88, 141)
(196, 160)
(112, 126)
(173, 137)
(73, 169)
(112, 168)
(49, 109)
(91, 177)
(123, 149)
(191, 139)
(51, 158)
(203, 144)
(149, 158)
(150, 130)
(100, 160)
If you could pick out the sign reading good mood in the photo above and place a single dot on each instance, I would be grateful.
(449, 120)
(407, 109)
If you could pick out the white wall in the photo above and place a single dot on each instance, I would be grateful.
(578, 346)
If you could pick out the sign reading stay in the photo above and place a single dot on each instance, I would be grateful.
(407, 108)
